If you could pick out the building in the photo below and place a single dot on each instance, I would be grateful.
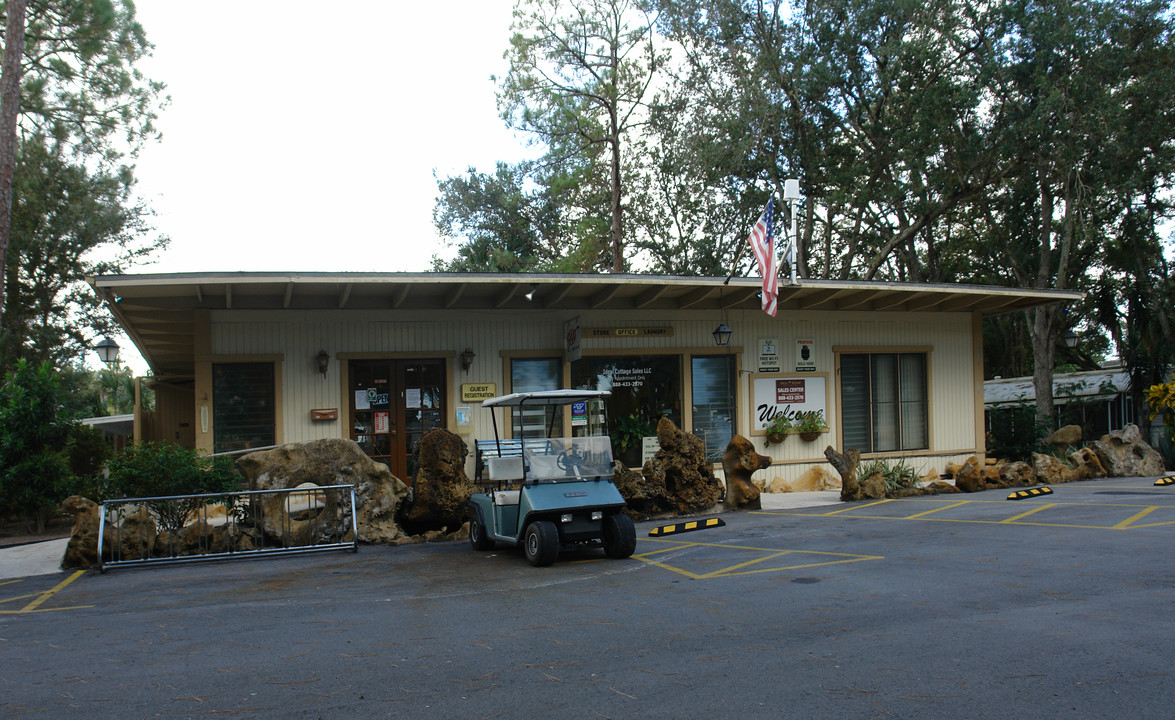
(247, 360)
(1097, 400)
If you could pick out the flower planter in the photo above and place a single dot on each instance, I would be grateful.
(809, 435)
(776, 437)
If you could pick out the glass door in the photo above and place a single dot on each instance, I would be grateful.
(393, 404)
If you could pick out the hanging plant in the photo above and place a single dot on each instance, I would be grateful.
(810, 424)
(778, 428)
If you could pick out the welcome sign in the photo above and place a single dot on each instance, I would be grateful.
(773, 395)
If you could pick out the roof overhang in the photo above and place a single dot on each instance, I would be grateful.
(157, 310)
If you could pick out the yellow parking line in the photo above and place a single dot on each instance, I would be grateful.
(938, 509)
(1136, 516)
(855, 507)
(1014, 518)
(748, 563)
(32, 607)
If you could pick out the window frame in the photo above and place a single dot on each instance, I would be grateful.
(927, 352)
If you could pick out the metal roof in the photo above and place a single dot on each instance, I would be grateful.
(157, 309)
(1085, 384)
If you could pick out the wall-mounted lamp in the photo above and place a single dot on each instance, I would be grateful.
(1071, 339)
(530, 293)
(107, 351)
(721, 334)
(323, 361)
(467, 359)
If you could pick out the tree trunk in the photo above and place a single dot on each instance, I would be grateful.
(617, 224)
(1043, 356)
(9, 110)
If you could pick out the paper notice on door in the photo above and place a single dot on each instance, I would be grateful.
(412, 398)
(361, 401)
(381, 422)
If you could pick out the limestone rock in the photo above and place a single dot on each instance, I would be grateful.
(333, 461)
(441, 490)
(82, 549)
(738, 463)
(873, 487)
(846, 464)
(1049, 470)
(1086, 457)
(1068, 436)
(1123, 453)
(968, 477)
(1017, 474)
(938, 487)
(646, 497)
(931, 476)
(813, 479)
(134, 536)
(678, 479)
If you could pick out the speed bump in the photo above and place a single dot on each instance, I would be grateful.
(1032, 492)
(686, 527)
(1169, 480)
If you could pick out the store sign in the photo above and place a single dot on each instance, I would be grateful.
(476, 392)
(789, 395)
(579, 411)
(805, 355)
(571, 339)
(628, 332)
(769, 355)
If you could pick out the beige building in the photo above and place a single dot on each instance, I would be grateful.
(246, 360)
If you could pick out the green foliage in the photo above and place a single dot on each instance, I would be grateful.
(630, 431)
(811, 421)
(87, 450)
(897, 475)
(1017, 432)
(779, 425)
(34, 473)
(1160, 398)
(165, 469)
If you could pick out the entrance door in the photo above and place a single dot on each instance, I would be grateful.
(393, 403)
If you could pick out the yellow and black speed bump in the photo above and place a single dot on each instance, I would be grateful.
(1030, 493)
(687, 527)
(1169, 480)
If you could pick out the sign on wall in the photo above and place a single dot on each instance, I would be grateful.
(475, 392)
(773, 395)
(572, 338)
(769, 355)
(805, 355)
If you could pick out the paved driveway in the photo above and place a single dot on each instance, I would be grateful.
(960, 606)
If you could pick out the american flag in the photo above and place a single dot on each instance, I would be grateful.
(763, 243)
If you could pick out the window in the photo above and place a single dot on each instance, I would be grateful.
(530, 375)
(242, 406)
(644, 388)
(884, 401)
(713, 402)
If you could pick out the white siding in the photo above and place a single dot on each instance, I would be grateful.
(299, 336)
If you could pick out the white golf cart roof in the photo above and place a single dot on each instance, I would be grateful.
(545, 397)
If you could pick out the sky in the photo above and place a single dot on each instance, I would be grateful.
(304, 139)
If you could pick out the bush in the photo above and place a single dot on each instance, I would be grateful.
(897, 476)
(164, 469)
(1016, 433)
(34, 474)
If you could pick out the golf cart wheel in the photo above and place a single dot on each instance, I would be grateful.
(478, 537)
(619, 536)
(541, 543)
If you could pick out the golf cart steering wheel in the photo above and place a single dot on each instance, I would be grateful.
(569, 459)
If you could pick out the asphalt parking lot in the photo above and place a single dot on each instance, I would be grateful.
(956, 606)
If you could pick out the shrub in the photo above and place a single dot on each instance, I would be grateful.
(164, 469)
(1161, 399)
(897, 476)
(34, 474)
(1016, 433)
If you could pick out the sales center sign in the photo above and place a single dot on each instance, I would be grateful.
(773, 395)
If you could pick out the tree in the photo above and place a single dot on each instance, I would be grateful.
(34, 474)
(81, 92)
(68, 222)
(579, 79)
(10, 74)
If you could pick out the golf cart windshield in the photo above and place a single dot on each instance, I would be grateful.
(586, 454)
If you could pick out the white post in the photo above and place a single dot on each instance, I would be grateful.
(791, 193)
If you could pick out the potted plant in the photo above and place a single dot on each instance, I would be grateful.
(810, 424)
(778, 428)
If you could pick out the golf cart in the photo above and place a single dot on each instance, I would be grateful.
(550, 493)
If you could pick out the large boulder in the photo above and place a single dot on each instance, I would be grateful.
(873, 487)
(1017, 474)
(846, 465)
(1123, 453)
(333, 461)
(813, 479)
(738, 463)
(82, 549)
(969, 476)
(678, 480)
(441, 490)
(1066, 437)
(682, 468)
(1049, 470)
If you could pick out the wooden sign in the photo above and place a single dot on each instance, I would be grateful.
(476, 392)
(627, 332)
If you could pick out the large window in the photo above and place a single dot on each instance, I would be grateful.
(531, 375)
(242, 405)
(884, 401)
(713, 393)
(644, 388)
